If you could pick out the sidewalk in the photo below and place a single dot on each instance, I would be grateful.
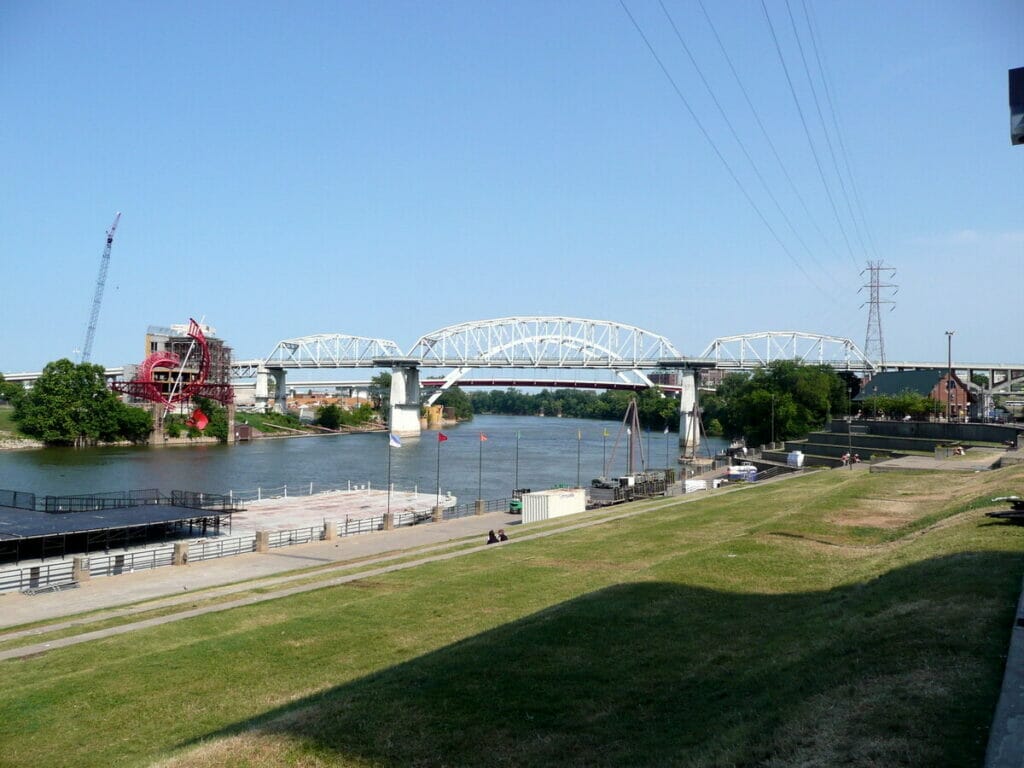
(114, 591)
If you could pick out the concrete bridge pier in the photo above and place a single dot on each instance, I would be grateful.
(689, 418)
(262, 392)
(263, 375)
(404, 411)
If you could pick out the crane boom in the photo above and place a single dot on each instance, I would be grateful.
(97, 299)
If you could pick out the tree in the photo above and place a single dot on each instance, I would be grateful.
(11, 391)
(329, 416)
(457, 399)
(799, 397)
(380, 391)
(218, 420)
(136, 424)
(71, 405)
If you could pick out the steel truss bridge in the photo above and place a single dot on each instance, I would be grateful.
(625, 353)
(598, 352)
(554, 342)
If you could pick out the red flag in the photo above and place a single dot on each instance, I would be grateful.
(441, 437)
(483, 438)
(199, 420)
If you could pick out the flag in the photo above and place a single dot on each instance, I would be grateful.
(606, 431)
(441, 437)
(194, 330)
(666, 429)
(394, 441)
(518, 434)
(483, 438)
(579, 435)
(629, 431)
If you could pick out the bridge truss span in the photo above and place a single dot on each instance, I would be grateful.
(543, 342)
(754, 350)
(330, 350)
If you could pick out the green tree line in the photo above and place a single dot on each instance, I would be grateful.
(656, 410)
(790, 398)
(71, 404)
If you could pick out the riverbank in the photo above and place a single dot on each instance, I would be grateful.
(9, 442)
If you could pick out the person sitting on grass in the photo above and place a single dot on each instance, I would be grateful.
(502, 536)
(491, 538)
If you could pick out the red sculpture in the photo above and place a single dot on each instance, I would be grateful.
(145, 387)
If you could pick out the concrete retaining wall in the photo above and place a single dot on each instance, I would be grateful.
(935, 430)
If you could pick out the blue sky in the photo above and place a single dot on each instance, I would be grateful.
(386, 169)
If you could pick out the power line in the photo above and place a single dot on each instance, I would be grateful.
(764, 131)
(839, 133)
(807, 131)
(714, 147)
(735, 135)
(824, 128)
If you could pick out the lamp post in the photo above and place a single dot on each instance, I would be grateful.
(849, 428)
(949, 373)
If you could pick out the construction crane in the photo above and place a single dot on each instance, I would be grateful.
(98, 297)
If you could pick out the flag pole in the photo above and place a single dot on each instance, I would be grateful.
(666, 449)
(579, 442)
(389, 473)
(604, 453)
(438, 502)
(517, 463)
(480, 471)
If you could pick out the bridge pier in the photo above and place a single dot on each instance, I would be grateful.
(263, 375)
(689, 417)
(404, 410)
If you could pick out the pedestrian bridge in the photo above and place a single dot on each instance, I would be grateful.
(611, 353)
(601, 353)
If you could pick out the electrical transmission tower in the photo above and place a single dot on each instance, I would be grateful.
(98, 298)
(874, 341)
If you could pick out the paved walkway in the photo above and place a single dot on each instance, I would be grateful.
(110, 591)
(976, 460)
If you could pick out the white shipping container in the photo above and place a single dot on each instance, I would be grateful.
(696, 485)
(545, 505)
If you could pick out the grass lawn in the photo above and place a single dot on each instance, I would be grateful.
(7, 420)
(842, 618)
(269, 422)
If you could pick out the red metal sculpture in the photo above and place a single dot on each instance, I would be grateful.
(145, 387)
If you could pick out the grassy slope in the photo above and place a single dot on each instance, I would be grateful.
(7, 420)
(766, 627)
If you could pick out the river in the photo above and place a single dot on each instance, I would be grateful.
(547, 457)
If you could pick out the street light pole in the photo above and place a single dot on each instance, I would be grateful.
(949, 373)
(849, 428)
(773, 421)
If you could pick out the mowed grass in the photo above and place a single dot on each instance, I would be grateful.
(7, 423)
(794, 624)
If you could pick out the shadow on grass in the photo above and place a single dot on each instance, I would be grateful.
(902, 670)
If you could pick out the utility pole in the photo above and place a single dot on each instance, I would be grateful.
(874, 341)
(949, 373)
